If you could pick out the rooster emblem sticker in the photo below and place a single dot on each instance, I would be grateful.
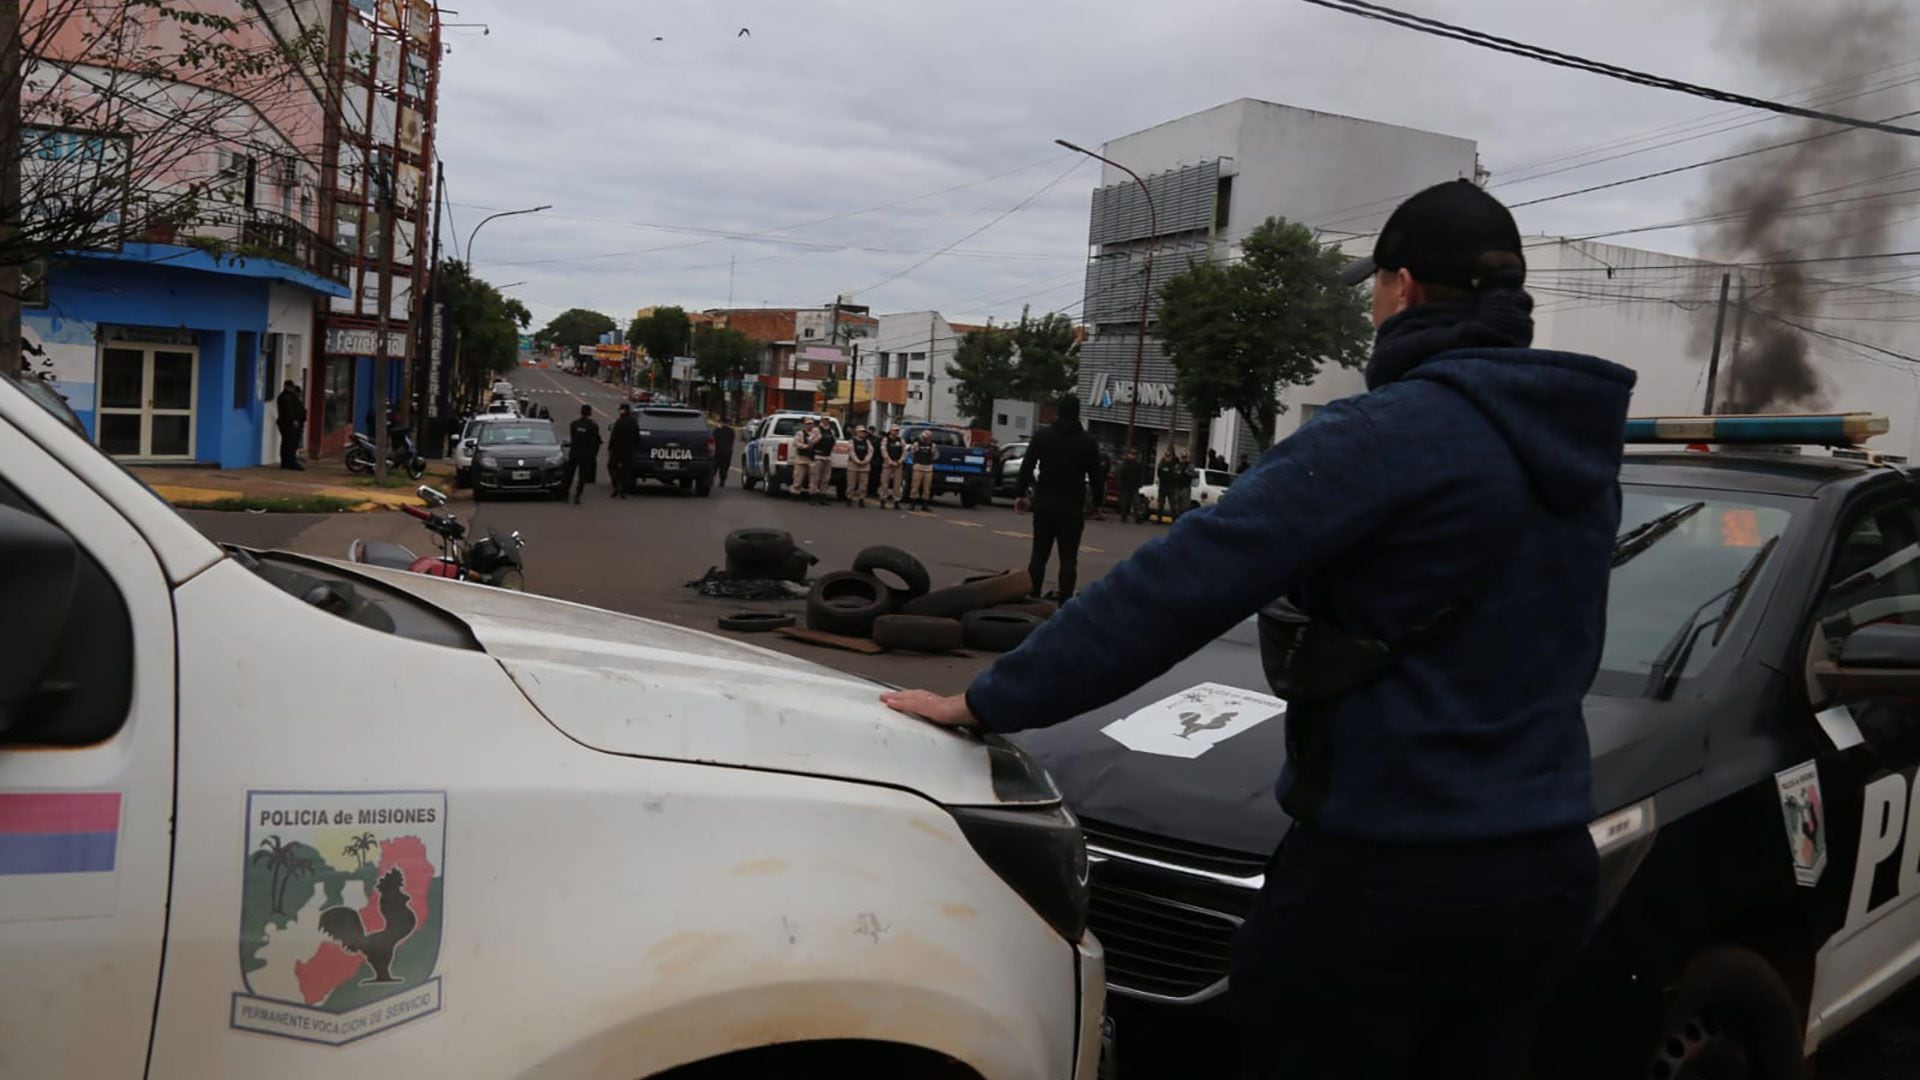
(340, 914)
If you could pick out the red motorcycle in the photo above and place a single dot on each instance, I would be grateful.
(494, 560)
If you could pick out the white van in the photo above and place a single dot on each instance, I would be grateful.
(264, 815)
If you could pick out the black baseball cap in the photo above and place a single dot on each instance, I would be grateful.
(1439, 236)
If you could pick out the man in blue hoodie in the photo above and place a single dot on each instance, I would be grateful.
(1458, 518)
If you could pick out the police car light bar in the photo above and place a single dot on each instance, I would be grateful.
(1806, 429)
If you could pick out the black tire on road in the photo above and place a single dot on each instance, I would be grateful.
(1730, 1004)
(1031, 606)
(764, 549)
(703, 485)
(996, 629)
(847, 602)
(756, 622)
(748, 481)
(461, 478)
(918, 633)
(973, 495)
(880, 558)
(480, 495)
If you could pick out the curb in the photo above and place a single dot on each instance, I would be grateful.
(186, 498)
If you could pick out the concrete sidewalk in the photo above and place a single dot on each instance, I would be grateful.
(193, 486)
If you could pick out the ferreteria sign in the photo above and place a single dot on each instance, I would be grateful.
(1108, 392)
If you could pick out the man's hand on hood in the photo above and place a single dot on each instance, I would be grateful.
(934, 709)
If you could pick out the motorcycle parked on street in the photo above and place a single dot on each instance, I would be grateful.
(362, 454)
(494, 560)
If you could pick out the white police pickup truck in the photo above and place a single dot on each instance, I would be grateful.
(270, 816)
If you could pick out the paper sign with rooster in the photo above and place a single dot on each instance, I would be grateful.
(340, 912)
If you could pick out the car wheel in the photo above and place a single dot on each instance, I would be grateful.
(1731, 1015)
(480, 495)
(918, 633)
(847, 602)
(997, 629)
(970, 497)
(703, 485)
(879, 559)
(462, 478)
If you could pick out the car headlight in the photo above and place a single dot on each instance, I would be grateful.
(1039, 853)
(487, 461)
(553, 459)
(1037, 849)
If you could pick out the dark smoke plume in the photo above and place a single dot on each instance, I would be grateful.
(1770, 213)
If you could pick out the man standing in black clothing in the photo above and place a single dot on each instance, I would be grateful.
(622, 441)
(290, 414)
(722, 452)
(583, 451)
(1131, 476)
(1068, 461)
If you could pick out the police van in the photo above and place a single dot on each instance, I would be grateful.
(1755, 730)
(264, 815)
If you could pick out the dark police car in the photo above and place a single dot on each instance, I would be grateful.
(958, 468)
(1755, 730)
(675, 447)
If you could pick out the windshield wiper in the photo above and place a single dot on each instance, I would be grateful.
(1634, 541)
(1667, 667)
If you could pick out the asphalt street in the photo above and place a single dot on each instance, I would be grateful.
(637, 555)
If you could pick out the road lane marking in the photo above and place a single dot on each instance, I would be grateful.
(1015, 535)
(1085, 550)
(965, 524)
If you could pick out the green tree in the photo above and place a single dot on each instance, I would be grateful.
(283, 864)
(486, 325)
(722, 354)
(1047, 363)
(983, 369)
(573, 328)
(665, 334)
(1238, 334)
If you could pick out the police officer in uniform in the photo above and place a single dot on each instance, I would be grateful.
(583, 451)
(1446, 540)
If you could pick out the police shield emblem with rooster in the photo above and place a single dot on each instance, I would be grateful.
(340, 915)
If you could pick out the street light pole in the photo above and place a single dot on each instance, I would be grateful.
(490, 217)
(1146, 286)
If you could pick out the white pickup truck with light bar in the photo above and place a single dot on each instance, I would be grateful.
(270, 816)
(1755, 729)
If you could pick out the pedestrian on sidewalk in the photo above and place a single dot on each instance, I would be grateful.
(1438, 877)
(924, 455)
(722, 452)
(1097, 492)
(859, 463)
(1129, 481)
(803, 460)
(623, 439)
(893, 462)
(1067, 461)
(583, 452)
(1168, 477)
(823, 441)
(290, 415)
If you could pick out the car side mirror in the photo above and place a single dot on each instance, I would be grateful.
(39, 578)
(1880, 660)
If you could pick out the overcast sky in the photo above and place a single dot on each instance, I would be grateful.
(860, 111)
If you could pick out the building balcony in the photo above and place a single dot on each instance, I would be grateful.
(260, 234)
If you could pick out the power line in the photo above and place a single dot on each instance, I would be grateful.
(1421, 24)
(1009, 212)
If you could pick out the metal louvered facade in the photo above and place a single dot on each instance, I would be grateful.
(1185, 202)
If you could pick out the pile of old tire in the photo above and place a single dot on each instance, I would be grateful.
(847, 602)
(989, 612)
(766, 553)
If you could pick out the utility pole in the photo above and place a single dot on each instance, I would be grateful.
(853, 384)
(730, 259)
(1739, 326)
(933, 336)
(425, 372)
(1146, 287)
(383, 180)
(1713, 358)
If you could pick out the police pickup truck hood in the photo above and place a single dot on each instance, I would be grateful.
(1223, 798)
(625, 685)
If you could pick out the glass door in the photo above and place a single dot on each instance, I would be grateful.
(145, 405)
